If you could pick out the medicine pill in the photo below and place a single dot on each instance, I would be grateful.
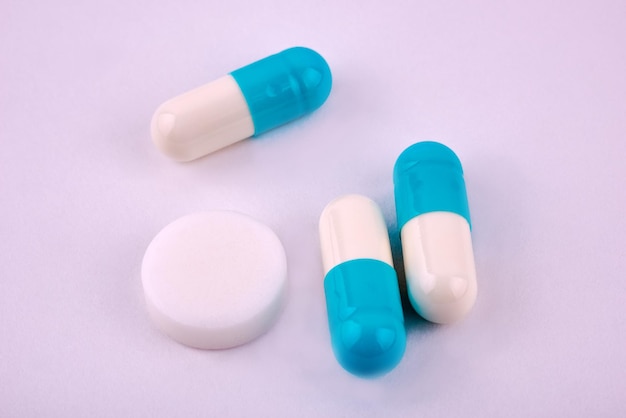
(247, 102)
(434, 222)
(214, 280)
(362, 293)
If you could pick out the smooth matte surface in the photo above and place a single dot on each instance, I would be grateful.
(214, 279)
(531, 96)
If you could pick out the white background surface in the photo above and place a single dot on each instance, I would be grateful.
(531, 95)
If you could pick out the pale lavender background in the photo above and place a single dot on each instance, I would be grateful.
(531, 95)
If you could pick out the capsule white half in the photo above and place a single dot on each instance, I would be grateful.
(202, 120)
(439, 266)
(352, 227)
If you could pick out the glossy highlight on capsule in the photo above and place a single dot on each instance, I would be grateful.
(434, 221)
(247, 102)
(362, 294)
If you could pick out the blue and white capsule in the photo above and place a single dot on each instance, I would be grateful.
(362, 294)
(247, 102)
(434, 221)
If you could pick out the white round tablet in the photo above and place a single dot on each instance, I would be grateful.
(215, 279)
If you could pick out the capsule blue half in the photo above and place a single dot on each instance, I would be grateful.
(247, 102)
(284, 86)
